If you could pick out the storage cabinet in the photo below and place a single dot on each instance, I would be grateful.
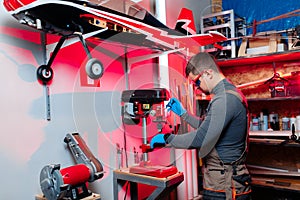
(273, 159)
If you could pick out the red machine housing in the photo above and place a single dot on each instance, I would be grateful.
(71, 182)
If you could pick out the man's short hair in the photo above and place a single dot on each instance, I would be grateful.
(200, 62)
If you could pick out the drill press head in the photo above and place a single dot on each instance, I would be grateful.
(137, 104)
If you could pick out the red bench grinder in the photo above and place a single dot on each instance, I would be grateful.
(71, 182)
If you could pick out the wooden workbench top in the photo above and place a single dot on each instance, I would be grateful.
(291, 183)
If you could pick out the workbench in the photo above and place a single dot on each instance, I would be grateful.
(276, 171)
(275, 188)
(163, 185)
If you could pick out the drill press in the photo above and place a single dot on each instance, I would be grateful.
(137, 105)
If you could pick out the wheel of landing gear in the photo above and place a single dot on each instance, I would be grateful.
(293, 137)
(94, 68)
(44, 73)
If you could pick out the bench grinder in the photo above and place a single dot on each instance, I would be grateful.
(71, 182)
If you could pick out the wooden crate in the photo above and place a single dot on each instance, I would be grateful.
(216, 6)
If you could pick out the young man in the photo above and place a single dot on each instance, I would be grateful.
(221, 136)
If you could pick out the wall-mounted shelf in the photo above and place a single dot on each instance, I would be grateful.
(273, 141)
(274, 99)
(270, 133)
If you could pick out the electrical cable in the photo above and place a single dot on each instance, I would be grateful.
(125, 142)
(126, 190)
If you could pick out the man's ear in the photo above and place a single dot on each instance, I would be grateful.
(209, 73)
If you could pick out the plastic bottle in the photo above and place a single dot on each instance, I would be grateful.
(265, 123)
(285, 124)
(255, 123)
(298, 125)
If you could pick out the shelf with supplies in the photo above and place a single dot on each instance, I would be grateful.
(275, 117)
(227, 23)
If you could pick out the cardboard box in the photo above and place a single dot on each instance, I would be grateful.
(265, 49)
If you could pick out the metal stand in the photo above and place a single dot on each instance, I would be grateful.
(145, 142)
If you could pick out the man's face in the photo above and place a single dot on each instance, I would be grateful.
(199, 78)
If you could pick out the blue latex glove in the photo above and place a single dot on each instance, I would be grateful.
(175, 106)
(157, 140)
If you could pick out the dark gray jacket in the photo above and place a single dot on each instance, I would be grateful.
(224, 127)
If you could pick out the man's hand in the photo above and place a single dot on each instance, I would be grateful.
(175, 106)
(158, 140)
